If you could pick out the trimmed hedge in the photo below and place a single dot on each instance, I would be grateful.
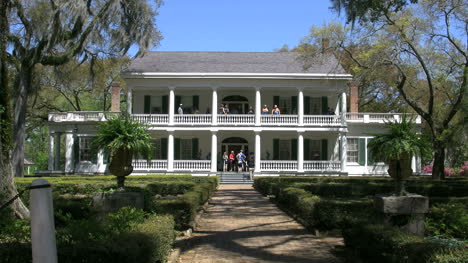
(380, 243)
(125, 236)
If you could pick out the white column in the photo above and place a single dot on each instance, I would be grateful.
(69, 152)
(343, 108)
(100, 160)
(344, 148)
(130, 101)
(258, 107)
(170, 152)
(300, 152)
(50, 166)
(300, 107)
(171, 105)
(57, 151)
(258, 152)
(214, 152)
(214, 107)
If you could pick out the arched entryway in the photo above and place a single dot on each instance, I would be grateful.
(234, 144)
(237, 104)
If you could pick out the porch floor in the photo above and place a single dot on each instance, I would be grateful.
(241, 225)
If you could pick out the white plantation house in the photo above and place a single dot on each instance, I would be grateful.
(316, 132)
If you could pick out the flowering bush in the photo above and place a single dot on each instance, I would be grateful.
(427, 169)
(462, 171)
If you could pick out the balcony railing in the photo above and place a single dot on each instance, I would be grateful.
(378, 117)
(322, 166)
(278, 165)
(192, 165)
(236, 119)
(193, 119)
(149, 165)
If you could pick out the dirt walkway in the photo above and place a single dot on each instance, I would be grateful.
(243, 226)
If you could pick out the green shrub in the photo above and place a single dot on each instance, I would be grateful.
(449, 219)
(380, 243)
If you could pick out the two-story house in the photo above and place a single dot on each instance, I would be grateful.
(179, 96)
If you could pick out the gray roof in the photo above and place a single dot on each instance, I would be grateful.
(233, 62)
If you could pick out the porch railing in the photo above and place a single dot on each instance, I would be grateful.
(193, 119)
(378, 117)
(78, 116)
(236, 119)
(149, 165)
(272, 120)
(192, 165)
(151, 118)
(322, 165)
(278, 165)
(325, 120)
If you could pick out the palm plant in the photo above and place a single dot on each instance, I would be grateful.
(122, 138)
(397, 148)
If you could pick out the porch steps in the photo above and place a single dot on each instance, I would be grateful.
(234, 178)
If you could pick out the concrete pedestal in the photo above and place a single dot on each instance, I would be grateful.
(104, 203)
(405, 212)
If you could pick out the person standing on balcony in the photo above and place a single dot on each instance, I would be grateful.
(226, 109)
(275, 110)
(221, 109)
(265, 110)
(251, 111)
(225, 161)
(180, 110)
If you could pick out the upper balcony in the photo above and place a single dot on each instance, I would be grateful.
(233, 120)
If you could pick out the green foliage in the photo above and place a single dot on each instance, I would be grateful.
(379, 243)
(122, 132)
(448, 219)
(401, 139)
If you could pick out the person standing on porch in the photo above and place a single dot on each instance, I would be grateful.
(225, 161)
(240, 161)
(232, 161)
(251, 110)
(180, 110)
(265, 110)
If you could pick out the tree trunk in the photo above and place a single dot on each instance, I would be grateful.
(19, 127)
(439, 159)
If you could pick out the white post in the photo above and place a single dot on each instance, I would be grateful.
(344, 148)
(300, 152)
(214, 152)
(50, 166)
(343, 108)
(130, 101)
(171, 105)
(44, 248)
(69, 153)
(300, 107)
(258, 152)
(170, 152)
(258, 107)
(214, 107)
(100, 160)
(57, 151)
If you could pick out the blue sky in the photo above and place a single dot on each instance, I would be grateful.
(238, 25)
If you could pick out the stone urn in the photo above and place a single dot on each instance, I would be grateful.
(400, 170)
(121, 165)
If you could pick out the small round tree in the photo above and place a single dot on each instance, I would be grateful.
(122, 138)
(397, 149)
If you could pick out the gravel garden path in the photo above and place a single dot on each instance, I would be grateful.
(241, 225)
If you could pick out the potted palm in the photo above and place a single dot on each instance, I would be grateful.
(397, 148)
(122, 138)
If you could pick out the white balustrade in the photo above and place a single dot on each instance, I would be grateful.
(278, 166)
(151, 118)
(193, 119)
(236, 119)
(270, 120)
(322, 120)
(77, 116)
(322, 165)
(192, 165)
(378, 117)
(149, 165)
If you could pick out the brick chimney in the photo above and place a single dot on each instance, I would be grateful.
(115, 97)
(353, 97)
